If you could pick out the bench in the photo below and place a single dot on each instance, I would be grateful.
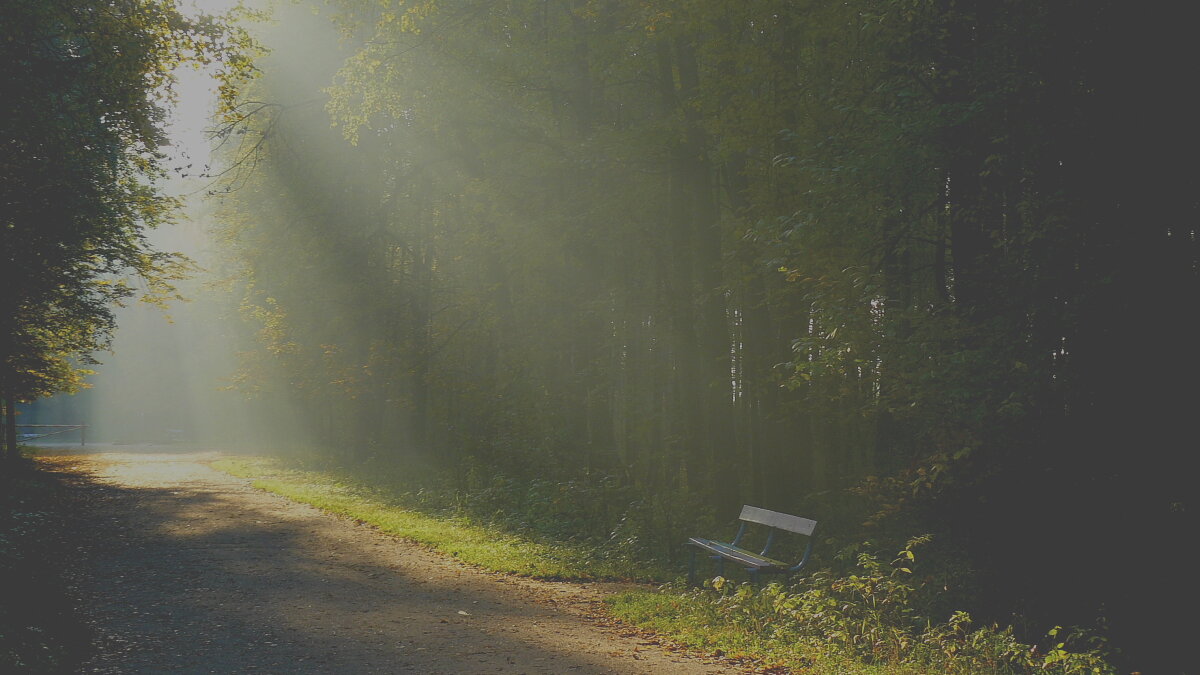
(754, 563)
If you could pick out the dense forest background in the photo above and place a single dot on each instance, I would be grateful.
(924, 265)
(897, 266)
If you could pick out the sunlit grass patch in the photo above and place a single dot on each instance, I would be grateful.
(477, 544)
(253, 467)
(843, 624)
(695, 623)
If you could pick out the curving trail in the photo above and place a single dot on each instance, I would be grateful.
(184, 569)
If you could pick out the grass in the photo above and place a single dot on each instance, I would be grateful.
(692, 622)
(815, 627)
(481, 544)
(861, 622)
(685, 620)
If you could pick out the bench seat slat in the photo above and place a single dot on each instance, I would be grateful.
(782, 521)
(754, 563)
(738, 555)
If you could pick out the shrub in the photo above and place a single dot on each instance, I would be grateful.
(879, 614)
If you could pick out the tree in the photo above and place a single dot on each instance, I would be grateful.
(82, 104)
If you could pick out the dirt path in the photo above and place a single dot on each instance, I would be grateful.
(184, 569)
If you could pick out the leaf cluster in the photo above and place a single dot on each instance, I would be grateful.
(83, 100)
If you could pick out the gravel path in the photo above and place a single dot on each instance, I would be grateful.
(184, 569)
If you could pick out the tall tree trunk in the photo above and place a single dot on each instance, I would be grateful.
(10, 425)
(712, 322)
(3, 427)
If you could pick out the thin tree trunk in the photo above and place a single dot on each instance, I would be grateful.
(3, 428)
(10, 426)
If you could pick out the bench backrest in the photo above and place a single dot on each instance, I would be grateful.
(782, 521)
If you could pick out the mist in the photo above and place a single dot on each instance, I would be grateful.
(629, 266)
(169, 376)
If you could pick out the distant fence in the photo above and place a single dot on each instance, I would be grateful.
(58, 429)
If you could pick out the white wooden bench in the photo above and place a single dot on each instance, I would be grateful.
(754, 563)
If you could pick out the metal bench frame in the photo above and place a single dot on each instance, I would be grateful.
(754, 563)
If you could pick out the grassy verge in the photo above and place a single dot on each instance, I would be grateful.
(874, 618)
(481, 544)
(692, 622)
(866, 622)
(697, 621)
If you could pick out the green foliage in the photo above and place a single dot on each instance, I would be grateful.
(82, 104)
(876, 615)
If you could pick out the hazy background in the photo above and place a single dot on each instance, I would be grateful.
(168, 375)
(616, 268)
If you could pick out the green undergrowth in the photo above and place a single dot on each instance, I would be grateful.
(476, 542)
(872, 619)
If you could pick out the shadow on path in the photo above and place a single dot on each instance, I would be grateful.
(183, 569)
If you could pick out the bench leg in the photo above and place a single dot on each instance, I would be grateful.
(692, 569)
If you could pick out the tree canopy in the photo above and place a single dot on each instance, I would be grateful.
(83, 99)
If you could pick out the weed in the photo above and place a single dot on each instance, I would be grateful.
(874, 617)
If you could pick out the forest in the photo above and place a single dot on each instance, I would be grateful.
(610, 269)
